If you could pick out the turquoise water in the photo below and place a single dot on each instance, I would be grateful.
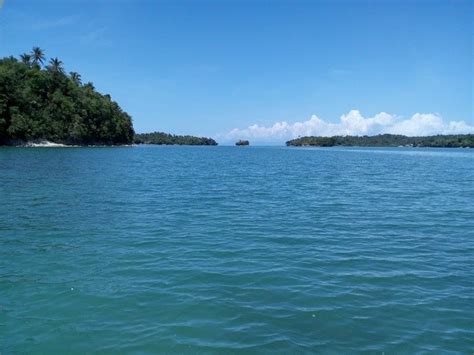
(245, 250)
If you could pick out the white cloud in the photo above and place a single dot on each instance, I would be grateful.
(354, 124)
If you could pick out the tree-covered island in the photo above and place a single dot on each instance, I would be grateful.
(39, 102)
(242, 142)
(387, 140)
(162, 138)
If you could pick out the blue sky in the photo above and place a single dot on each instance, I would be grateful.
(210, 67)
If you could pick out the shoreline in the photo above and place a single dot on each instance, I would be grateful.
(50, 144)
(375, 146)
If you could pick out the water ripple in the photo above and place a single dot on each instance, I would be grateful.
(227, 250)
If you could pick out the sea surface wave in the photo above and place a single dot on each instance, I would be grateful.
(236, 250)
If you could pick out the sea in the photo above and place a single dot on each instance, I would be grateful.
(223, 250)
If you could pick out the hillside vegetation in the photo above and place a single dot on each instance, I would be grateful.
(39, 101)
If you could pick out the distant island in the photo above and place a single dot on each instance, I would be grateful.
(162, 138)
(387, 140)
(241, 142)
(40, 102)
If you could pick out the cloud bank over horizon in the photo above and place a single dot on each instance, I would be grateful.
(352, 124)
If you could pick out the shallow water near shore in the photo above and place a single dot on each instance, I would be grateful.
(232, 250)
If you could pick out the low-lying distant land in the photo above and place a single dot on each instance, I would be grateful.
(242, 142)
(386, 140)
(161, 138)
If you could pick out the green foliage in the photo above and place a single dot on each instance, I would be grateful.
(170, 139)
(242, 142)
(388, 140)
(45, 104)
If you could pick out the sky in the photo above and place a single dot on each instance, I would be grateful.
(263, 70)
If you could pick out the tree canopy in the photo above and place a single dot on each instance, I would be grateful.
(387, 140)
(41, 102)
(162, 138)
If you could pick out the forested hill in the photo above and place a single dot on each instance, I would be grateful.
(39, 101)
(387, 140)
(171, 139)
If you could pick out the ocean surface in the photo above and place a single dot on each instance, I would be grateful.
(236, 250)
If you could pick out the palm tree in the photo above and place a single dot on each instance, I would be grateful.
(89, 86)
(26, 59)
(38, 56)
(76, 77)
(56, 66)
